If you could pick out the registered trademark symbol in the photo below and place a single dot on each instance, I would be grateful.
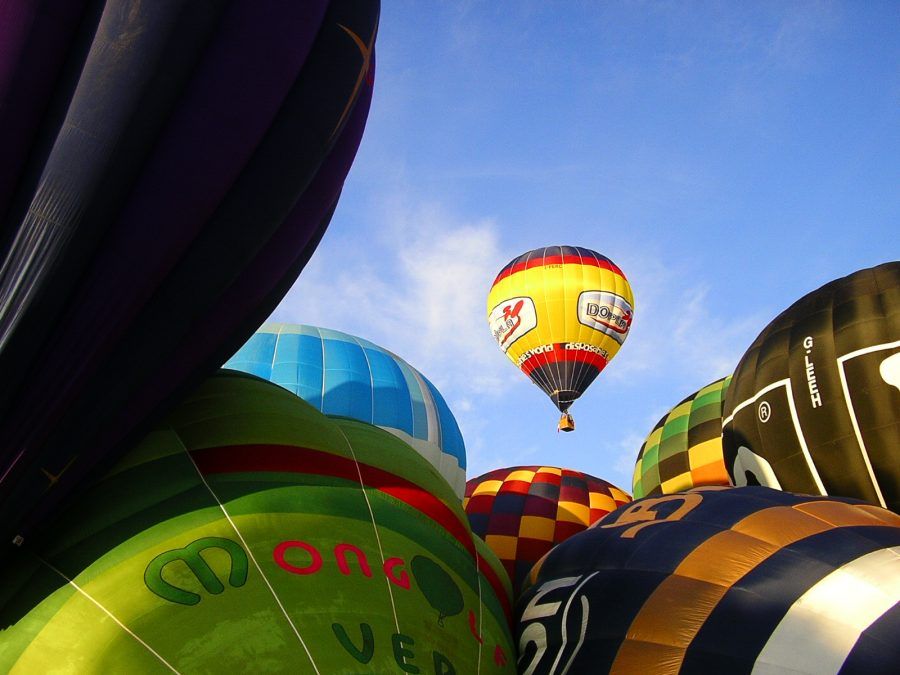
(764, 412)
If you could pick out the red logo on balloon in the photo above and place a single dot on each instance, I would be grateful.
(512, 319)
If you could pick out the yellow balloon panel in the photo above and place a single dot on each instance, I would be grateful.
(560, 314)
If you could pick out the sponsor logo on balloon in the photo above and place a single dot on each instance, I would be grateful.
(814, 396)
(534, 640)
(432, 580)
(585, 347)
(190, 556)
(607, 312)
(566, 346)
(280, 553)
(511, 319)
(438, 587)
(764, 412)
(646, 512)
(401, 647)
(542, 349)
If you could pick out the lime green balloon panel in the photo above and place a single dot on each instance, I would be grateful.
(302, 545)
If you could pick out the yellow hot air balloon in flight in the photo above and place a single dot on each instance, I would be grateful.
(560, 313)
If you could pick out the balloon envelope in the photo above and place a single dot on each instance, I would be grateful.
(340, 374)
(185, 165)
(560, 313)
(814, 404)
(719, 580)
(522, 512)
(684, 450)
(250, 532)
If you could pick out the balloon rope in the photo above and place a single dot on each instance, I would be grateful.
(371, 419)
(10, 467)
(275, 353)
(253, 558)
(559, 379)
(480, 611)
(322, 399)
(579, 367)
(109, 614)
(362, 487)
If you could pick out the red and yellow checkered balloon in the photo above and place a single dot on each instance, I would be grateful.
(523, 511)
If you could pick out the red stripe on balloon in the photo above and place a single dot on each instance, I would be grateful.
(294, 459)
(603, 263)
(485, 569)
(560, 353)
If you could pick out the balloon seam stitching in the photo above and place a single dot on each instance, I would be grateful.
(362, 487)
(110, 615)
(252, 557)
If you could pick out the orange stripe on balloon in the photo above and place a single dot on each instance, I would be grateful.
(670, 619)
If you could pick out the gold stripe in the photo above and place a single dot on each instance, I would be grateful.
(658, 638)
(365, 51)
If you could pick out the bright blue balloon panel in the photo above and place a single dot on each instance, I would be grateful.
(344, 375)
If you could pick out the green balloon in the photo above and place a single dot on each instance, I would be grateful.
(250, 532)
(437, 586)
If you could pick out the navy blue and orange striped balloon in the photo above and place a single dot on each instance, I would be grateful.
(719, 580)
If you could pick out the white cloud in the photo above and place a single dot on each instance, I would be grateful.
(623, 464)
(801, 34)
(676, 329)
(417, 288)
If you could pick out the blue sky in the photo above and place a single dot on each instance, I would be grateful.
(728, 158)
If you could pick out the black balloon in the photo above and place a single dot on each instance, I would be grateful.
(814, 404)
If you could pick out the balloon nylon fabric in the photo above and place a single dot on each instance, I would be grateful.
(814, 404)
(522, 512)
(340, 374)
(560, 314)
(684, 450)
(249, 531)
(719, 580)
(42, 47)
(176, 223)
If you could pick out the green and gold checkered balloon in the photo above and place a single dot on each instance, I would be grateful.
(684, 450)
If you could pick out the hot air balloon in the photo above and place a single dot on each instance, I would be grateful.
(340, 374)
(248, 532)
(38, 39)
(180, 165)
(719, 580)
(684, 450)
(523, 511)
(814, 404)
(560, 313)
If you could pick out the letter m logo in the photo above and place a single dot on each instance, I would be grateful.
(190, 556)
